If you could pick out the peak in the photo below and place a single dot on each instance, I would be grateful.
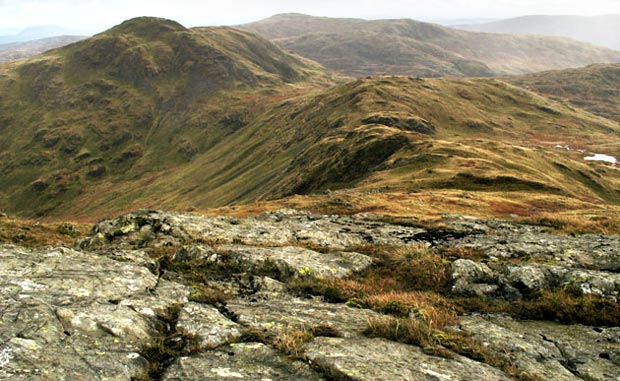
(147, 26)
(291, 15)
(296, 16)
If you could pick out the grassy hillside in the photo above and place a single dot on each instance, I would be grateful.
(599, 30)
(150, 114)
(406, 47)
(143, 97)
(595, 88)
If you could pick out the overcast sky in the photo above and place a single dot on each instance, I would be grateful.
(97, 15)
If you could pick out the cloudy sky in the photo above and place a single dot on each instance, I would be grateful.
(97, 15)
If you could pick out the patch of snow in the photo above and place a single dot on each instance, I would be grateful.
(601, 157)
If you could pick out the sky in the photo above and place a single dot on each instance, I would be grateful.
(97, 15)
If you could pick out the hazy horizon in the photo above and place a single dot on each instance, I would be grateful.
(91, 16)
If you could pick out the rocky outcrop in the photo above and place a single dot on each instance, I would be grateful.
(515, 281)
(501, 240)
(108, 309)
(68, 315)
(280, 228)
(550, 351)
(350, 360)
(282, 314)
(292, 261)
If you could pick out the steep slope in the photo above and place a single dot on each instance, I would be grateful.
(18, 50)
(142, 97)
(150, 114)
(407, 47)
(390, 133)
(599, 30)
(595, 88)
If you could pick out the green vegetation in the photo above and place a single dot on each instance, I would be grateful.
(595, 88)
(150, 114)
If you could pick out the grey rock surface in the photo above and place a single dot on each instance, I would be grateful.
(548, 350)
(243, 361)
(497, 239)
(515, 281)
(207, 326)
(349, 359)
(278, 228)
(107, 310)
(292, 261)
(278, 315)
(61, 319)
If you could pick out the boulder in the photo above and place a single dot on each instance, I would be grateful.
(292, 261)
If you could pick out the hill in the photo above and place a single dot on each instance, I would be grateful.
(143, 97)
(599, 30)
(595, 88)
(18, 50)
(407, 47)
(151, 114)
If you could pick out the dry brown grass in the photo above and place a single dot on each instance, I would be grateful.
(571, 214)
(291, 342)
(398, 270)
(433, 339)
(34, 233)
(560, 305)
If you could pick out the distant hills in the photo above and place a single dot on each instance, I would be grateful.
(35, 33)
(406, 47)
(18, 50)
(152, 114)
(595, 88)
(598, 30)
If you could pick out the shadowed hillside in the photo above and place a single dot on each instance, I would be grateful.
(407, 47)
(595, 88)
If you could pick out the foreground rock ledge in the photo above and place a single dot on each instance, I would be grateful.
(103, 311)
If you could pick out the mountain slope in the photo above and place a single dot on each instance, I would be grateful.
(142, 97)
(359, 47)
(398, 134)
(151, 114)
(595, 88)
(18, 50)
(599, 30)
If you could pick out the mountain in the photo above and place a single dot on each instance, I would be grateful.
(599, 30)
(18, 50)
(139, 99)
(595, 88)
(151, 114)
(407, 47)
